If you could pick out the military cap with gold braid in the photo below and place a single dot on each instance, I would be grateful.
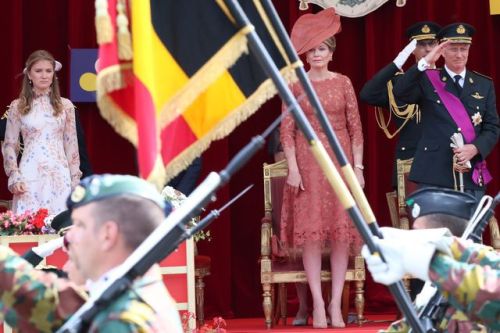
(423, 30)
(102, 187)
(457, 33)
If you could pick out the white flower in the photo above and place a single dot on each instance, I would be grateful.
(477, 119)
(48, 220)
(174, 197)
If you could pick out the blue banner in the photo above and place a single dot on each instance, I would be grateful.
(83, 75)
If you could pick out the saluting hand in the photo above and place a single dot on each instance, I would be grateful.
(436, 53)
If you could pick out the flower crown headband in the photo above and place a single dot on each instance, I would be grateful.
(57, 67)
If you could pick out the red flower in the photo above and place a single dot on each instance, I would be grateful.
(39, 218)
(26, 223)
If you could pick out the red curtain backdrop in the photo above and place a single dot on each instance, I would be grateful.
(365, 45)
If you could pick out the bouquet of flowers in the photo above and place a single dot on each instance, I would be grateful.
(176, 198)
(27, 223)
(218, 324)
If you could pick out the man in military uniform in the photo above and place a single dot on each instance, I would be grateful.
(112, 215)
(452, 100)
(378, 92)
(458, 268)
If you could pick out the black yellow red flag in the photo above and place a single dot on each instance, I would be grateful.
(190, 79)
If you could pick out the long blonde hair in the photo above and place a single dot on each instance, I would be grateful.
(26, 96)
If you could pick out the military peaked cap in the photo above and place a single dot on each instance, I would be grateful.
(457, 33)
(423, 30)
(434, 200)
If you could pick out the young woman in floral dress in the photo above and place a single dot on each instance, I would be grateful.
(49, 166)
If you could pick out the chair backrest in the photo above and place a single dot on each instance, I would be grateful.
(274, 181)
(405, 186)
(5, 205)
(396, 200)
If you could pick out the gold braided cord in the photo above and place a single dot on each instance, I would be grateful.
(406, 112)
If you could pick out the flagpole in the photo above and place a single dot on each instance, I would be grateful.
(258, 49)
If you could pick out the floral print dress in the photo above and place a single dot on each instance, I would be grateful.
(316, 213)
(50, 162)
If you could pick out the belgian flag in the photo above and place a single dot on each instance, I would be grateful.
(190, 79)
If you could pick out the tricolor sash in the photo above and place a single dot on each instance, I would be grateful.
(460, 116)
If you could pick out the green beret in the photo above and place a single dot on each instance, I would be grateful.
(435, 200)
(100, 187)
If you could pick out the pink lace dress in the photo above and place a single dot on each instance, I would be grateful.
(50, 161)
(316, 214)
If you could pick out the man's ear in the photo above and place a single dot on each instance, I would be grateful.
(109, 234)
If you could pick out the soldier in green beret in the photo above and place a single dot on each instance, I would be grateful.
(111, 215)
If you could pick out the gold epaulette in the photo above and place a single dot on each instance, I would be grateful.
(485, 76)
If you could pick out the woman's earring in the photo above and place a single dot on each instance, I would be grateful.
(30, 82)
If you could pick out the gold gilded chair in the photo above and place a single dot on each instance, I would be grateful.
(396, 200)
(277, 270)
(5, 204)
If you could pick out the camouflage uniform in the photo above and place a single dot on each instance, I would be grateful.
(470, 280)
(31, 300)
(145, 307)
(34, 301)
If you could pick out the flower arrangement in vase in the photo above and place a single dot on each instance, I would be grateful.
(27, 223)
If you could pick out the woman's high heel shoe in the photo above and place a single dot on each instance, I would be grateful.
(300, 321)
(335, 322)
(319, 318)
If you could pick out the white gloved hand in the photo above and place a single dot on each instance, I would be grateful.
(405, 54)
(425, 295)
(405, 252)
(46, 249)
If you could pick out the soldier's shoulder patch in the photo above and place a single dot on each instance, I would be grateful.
(482, 75)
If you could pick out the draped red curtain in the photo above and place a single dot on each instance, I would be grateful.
(365, 45)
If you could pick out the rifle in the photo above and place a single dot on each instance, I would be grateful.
(433, 311)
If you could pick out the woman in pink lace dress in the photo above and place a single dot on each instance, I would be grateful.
(313, 219)
(49, 166)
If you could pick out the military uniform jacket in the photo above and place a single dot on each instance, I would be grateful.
(145, 307)
(35, 301)
(374, 92)
(433, 159)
